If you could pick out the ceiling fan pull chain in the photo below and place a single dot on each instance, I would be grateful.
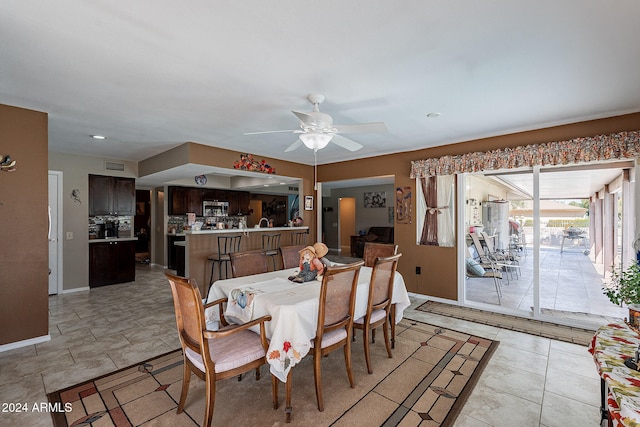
(315, 169)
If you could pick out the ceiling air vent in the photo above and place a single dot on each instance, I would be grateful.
(293, 188)
(113, 166)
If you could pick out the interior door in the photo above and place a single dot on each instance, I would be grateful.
(55, 251)
(346, 222)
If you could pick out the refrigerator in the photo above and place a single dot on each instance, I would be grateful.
(495, 218)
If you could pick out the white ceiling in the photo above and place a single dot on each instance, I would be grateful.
(151, 75)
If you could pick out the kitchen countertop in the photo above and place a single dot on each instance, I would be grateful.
(114, 239)
(243, 230)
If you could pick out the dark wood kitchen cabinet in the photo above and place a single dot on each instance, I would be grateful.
(112, 262)
(183, 200)
(111, 195)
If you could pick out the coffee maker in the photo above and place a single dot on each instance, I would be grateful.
(110, 229)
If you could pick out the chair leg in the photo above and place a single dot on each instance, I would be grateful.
(186, 377)
(210, 396)
(288, 409)
(385, 330)
(258, 373)
(213, 269)
(367, 348)
(317, 375)
(274, 391)
(347, 361)
(392, 319)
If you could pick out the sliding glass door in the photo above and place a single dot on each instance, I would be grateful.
(545, 238)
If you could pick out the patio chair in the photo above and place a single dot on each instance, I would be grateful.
(512, 259)
(476, 270)
(214, 355)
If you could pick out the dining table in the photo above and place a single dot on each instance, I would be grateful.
(293, 308)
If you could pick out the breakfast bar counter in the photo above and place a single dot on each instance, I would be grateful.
(200, 244)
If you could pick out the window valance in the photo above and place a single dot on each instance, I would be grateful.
(601, 147)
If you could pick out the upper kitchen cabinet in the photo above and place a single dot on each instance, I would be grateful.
(183, 200)
(111, 195)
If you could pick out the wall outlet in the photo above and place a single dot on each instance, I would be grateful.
(69, 235)
(418, 270)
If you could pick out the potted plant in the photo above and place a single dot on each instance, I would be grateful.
(624, 287)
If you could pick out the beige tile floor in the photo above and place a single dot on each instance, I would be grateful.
(530, 381)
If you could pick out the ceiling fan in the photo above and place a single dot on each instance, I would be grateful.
(317, 129)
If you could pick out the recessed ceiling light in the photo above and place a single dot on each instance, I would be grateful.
(282, 183)
(98, 137)
(265, 185)
(433, 115)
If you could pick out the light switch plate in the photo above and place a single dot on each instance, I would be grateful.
(69, 235)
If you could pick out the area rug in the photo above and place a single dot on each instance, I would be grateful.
(430, 376)
(521, 324)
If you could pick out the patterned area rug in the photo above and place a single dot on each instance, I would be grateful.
(530, 326)
(430, 376)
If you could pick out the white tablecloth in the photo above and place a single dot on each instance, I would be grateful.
(294, 310)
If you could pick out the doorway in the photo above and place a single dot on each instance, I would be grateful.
(346, 222)
(54, 232)
(553, 226)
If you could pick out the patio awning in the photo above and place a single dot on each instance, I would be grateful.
(549, 208)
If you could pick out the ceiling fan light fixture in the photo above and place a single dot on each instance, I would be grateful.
(316, 141)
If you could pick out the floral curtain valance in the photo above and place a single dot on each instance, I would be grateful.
(601, 147)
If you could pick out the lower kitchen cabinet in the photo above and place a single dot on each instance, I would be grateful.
(112, 262)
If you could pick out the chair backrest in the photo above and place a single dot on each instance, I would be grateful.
(247, 263)
(299, 238)
(381, 284)
(228, 244)
(374, 250)
(488, 241)
(478, 245)
(337, 298)
(190, 319)
(291, 256)
(270, 242)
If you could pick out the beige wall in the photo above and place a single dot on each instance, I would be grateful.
(438, 264)
(75, 217)
(24, 259)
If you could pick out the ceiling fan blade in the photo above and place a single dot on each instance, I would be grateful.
(274, 131)
(293, 146)
(346, 143)
(305, 118)
(362, 127)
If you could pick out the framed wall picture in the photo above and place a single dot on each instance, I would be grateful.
(375, 199)
(308, 203)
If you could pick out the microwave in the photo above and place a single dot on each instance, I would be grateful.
(215, 208)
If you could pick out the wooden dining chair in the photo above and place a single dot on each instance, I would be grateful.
(335, 320)
(246, 263)
(214, 355)
(378, 305)
(374, 250)
(291, 256)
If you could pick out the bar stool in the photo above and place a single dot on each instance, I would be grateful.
(226, 245)
(299, 238)
(271, 246)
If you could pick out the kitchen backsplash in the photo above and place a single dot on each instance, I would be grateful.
(124, 225)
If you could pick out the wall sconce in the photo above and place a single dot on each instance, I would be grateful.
(6, 164)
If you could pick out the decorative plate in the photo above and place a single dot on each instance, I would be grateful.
(201, 179)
